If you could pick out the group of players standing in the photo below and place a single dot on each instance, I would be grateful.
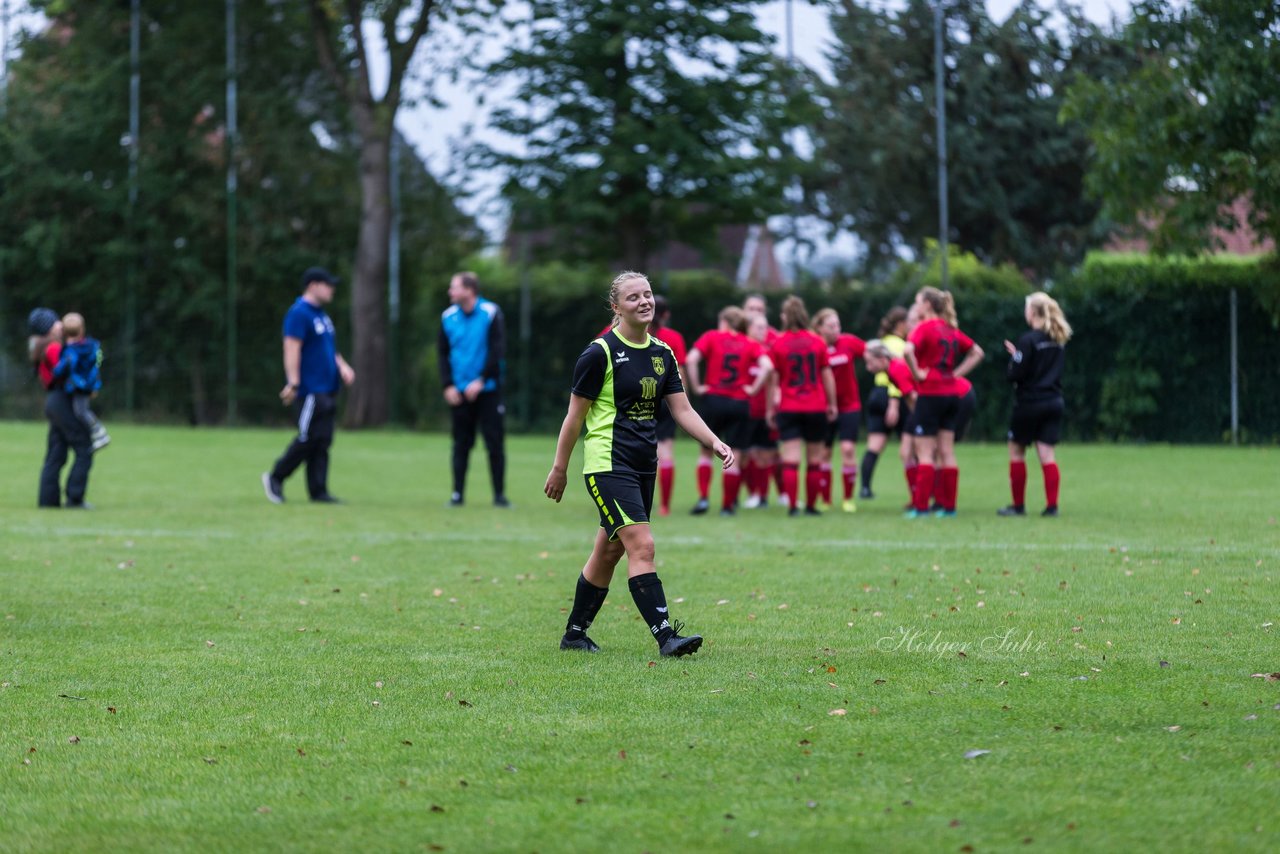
(785, 398)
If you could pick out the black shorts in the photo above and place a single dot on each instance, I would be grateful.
(968, 406)
(728, 418)
(934, 413)
(1037, 422)
(666, 423)
(622, 498)
(761, 436)
(810, 426)
(844, 428)
(876, 406)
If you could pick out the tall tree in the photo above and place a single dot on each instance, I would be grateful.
(1015, 173)
(1195, 126)
(344, 55)
(644, 123)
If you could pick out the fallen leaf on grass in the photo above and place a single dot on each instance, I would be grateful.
(1164, 664)
(1270, 677)
(69, 697)
(75, 739)
(211, 760)
(464, 704)
(437, 808)
(264, 810)
(622, 754)
(838, 712)
(974, 754)
(111, 709)
(1173, 728)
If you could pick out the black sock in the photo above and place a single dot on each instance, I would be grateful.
(587, 599)
(646, 590)
(868, 467)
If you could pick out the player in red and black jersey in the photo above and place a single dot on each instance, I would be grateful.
(762, 441)
(661, 330)
(617, 384)
(805, 403)
(1035, 369)
(729, 355)
(940, 355)
(843, 352)
(880, 359)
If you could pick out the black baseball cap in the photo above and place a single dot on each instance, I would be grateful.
(318, 274)
(41, 320)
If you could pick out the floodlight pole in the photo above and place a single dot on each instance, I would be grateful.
(393, 278)
(941, 119)
(232, 185)
(131, 279)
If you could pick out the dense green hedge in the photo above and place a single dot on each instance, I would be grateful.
(1150, 359)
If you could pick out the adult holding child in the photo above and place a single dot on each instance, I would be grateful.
(618, 383)
(1035, 369)
(66, 432)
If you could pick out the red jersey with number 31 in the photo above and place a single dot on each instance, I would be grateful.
(799, 356)
(939, 348)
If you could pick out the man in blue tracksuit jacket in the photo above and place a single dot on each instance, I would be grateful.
(471, 345)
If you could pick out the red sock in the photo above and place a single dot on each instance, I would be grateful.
(950, 478)
(778, 477)
(749, 476)
(850, 475)
(704, 477)
(732, 478)
(824, 472)
(791, 482)
(666, 482)
(924, 487)
(939, 488)
(910, 474)
(812, 485)
(1052, 479)
(1018, 481)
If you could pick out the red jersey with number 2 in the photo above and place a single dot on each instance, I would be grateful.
(799, 356)
(939, 348)
(728, 357)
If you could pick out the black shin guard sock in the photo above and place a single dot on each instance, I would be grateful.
(868, 467)
(646, 590)
(587, 600)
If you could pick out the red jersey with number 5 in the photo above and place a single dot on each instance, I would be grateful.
(799, 356)
(939, 348)
(728, 357)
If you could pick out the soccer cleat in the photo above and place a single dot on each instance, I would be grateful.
(1051, 511)
(812, 511)
(676, 646)
(584, 643)
(501, 501)
(79, 505)
(752, 502)
(726, 511)
(273, 488)
(793, 511)
(866, 493)
(100, 440)
(1012, 510)
(848, 506)
(943, 513)
(701, 507)
(327, 499)
(455, 500)
(913, 513)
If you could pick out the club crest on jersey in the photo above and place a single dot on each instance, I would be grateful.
(659, 366)
(648, 388)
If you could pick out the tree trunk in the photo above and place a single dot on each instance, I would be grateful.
(367, 405)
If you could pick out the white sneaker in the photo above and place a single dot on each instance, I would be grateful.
(752, 502)
(100, 440)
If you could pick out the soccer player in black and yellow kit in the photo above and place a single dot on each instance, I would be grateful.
(617, 385)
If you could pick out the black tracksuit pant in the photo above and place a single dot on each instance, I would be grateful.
(316, 415)
(486, 413)
(66, 433)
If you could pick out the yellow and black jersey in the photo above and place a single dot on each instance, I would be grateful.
(626, 382)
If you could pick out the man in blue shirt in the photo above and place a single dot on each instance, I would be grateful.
(312, 368)
(471, 348)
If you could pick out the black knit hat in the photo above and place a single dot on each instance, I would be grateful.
(41, 320)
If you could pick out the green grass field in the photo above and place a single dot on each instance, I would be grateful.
(188, 667)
